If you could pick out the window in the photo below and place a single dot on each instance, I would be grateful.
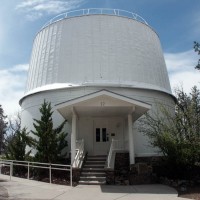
(104, 134)
(101, 135)
(97, 134)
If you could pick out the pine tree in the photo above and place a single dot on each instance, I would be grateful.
(50, 142)
(197, 49)
(16, 149)
(3, 127)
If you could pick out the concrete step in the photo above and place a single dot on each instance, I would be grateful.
(92, 182)
(96, 158)
(92, 169)
(97, 174)
(94, 166)
(92, 178)
(93, 162)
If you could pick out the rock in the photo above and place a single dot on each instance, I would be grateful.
(117, 182)
(181, 182)
(174, 184)
(126, 182)
(183, 188)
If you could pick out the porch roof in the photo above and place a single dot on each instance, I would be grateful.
(103, 103)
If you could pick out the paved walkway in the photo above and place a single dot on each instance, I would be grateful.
(22, 189)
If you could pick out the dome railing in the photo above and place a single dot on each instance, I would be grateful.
(96, 11)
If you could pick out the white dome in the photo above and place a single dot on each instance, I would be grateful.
(97, 50)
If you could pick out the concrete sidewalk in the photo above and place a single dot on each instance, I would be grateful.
(22, 189)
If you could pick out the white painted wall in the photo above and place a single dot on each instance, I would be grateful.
(85, 126)
(96, 50)
(32, 103)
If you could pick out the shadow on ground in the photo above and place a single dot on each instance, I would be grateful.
(139, 189)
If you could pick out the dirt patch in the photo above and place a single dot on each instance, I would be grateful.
(191, 192)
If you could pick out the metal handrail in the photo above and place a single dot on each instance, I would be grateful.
(79, 154)
(11, 163)
(115, 145)
(110, 154)
(96, 11)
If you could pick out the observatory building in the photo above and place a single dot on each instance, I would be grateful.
(102, 70)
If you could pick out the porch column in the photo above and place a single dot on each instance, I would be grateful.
(131, 144)
(73, 137)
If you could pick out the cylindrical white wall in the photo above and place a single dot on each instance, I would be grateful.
(31, 104)
(96, 50)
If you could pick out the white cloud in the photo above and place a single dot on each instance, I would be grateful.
(33, 16)
(181, 69)
(180, 61)
(12, 84)
(35, 9)
(186, 80)
(20, 68)
(28, 3)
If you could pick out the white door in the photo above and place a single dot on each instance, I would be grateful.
(101, 137)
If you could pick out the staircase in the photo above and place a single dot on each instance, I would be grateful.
(93, 171)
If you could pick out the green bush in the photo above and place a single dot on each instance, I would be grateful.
(176, 132)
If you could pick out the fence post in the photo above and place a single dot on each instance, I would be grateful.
(50, 173)
(71, 175)
(11, 170)
(28, 171)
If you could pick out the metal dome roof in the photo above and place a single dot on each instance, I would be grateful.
(97, 47)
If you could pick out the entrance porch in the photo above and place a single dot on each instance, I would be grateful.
(101, 122)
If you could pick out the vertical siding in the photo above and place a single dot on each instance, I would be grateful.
(98, 49)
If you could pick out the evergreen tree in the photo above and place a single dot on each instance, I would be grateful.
(13, 126)
(50, 141)
(16, 149)
(197, 49)
(3, 128)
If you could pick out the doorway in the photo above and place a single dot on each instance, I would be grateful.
(101, 137)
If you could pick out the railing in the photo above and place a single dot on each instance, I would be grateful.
(96, 11)
(115, 145)
(11, 163)
(80, 152)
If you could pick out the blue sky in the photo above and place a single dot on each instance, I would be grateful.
(177, 23)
